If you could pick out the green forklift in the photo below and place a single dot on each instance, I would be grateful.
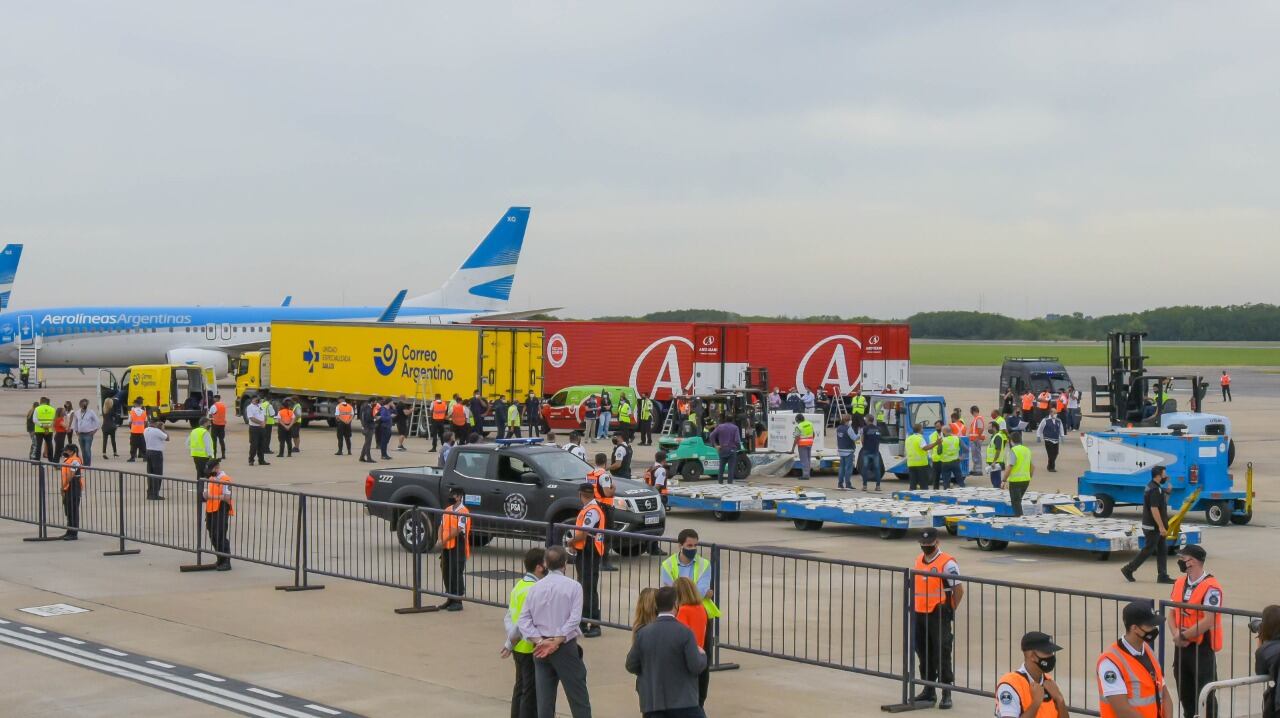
(692, 418)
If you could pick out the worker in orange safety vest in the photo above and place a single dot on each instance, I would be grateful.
(934, 603)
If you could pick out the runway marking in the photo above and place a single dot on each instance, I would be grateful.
(226, 693)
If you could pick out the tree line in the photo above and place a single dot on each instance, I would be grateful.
(1237, 322)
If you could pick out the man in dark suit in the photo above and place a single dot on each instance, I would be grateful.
(667, 661)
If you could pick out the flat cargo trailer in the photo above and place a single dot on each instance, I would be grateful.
(894, 518)
(1101, 537)
(1034, 503)
(726, 502)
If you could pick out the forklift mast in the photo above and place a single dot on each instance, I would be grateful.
(1124, 396)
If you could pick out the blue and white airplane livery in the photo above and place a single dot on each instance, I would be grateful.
(9, 258)
(90, 337)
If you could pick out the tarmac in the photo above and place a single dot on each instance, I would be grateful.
(345, 649)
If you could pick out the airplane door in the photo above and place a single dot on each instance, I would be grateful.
(226, 332)
(26, 328)
(211, 332)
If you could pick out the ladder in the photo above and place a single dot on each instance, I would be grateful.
(835, 409)
(27, 354)
(669, 423)
(420, 415)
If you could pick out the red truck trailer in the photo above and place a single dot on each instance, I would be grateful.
(681, 357)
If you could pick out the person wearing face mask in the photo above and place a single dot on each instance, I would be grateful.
(455, 548)
(1197, 635)
(524, 696)
(1155, 526)
(1130, 682)
(687, 563)
(936, 598)
(1030, 692)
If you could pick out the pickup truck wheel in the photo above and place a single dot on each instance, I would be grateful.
(742, 468)
(691, 470)
(411, 532)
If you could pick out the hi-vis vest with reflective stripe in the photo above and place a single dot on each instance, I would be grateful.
(671, 566)
(580, 537)
(137, 420)
(1021, 683)
(593, 478)
(269, 413)
(515, 606)
(513, 415)
(1028, 400)
(71, 472)
(1188, 617)
(646, 409)
(458, 414)
(977, 427)
(344, 413)
(998, 455)
(930, 586)
(624, 412)
(805, 437)
(214, 502)
(439, 410)
(916, 455)
(219, 415)
(1020, 464)
(950, 448)
(44, 416)
(195, 442)
(858, 405)
(457, 518)
(1145, 695)
(1042, 401)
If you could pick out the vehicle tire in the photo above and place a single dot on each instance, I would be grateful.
(807, 525)
(1218, 513)
(409, 532)
(888, 533)
(953, 528)
(742, 468)
(726, 515)
(9, 382)
(691, 470)
(1242, 518)
(1102, 555)
(992, 544)
(1231, 451)
(1104, 507)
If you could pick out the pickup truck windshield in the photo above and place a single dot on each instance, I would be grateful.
(560, 466)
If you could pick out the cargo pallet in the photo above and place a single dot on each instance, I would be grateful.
(1101, 537)
(726, 502)
(894, 518)
(1034, 503)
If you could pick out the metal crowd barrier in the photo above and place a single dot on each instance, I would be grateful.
(846, 615)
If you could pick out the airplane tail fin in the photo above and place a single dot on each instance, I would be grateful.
(484, 280)
(9, 258)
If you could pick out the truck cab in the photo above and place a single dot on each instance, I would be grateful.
(530, 483)
(170, 392)
(252, 371)
(895, 414)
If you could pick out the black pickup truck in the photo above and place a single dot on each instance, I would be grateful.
(533, 482)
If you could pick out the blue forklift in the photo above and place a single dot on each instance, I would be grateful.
(1120, 463)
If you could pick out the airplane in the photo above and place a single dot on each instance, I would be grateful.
(9, 258)
(112, 336)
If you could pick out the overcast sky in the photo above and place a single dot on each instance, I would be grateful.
(839, 157)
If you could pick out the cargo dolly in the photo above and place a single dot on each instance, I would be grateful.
(726, 502)
(891, 516)
(1034, 503)
(1101, 537)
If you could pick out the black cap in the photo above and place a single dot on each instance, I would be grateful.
(1195, 551)
(1041, 642)
(586, 488)
(1141, 613)
(929, 536)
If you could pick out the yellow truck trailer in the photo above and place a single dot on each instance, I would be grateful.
(321, 361)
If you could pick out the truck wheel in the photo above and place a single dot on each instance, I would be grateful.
(726, 515)
(411, 532)
(9, 382)
(992, 544)
(807, 525)
(742, 468)
(1218, 513)
(1104, 507)
(1242, 518)
(691, 470)
(1231, 451)
(888, 533)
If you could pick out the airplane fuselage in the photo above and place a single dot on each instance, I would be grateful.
(86, 337)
